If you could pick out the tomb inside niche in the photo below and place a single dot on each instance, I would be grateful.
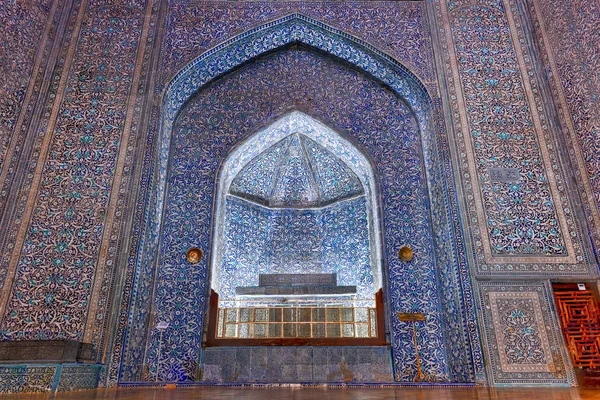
(295, 224)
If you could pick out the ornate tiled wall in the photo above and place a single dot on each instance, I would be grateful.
(74, 164)
(568, 36)
(78, 377)
(52, 292)
(461, 334)
(30, 31)
(526, 225)
(22, 26)
(257, 241)
(253, 99)
(296, 364)
(24, 378)
(525, 345)
(399, 29)
(60, 246)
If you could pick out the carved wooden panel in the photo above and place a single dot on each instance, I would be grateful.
(580, 319)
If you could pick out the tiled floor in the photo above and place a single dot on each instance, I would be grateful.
(214, 393)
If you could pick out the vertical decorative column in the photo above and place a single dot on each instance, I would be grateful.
(520, 213)
(61, 266)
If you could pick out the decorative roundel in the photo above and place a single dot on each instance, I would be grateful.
(405, 253)
(193, 255)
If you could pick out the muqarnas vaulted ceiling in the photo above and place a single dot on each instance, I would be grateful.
(296, 172)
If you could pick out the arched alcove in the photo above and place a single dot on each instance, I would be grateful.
(379, 105)
(296, 223)
(296, 198)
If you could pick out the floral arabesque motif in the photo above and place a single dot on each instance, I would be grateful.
(397, 28)
(21, 27)
(524, 343)
(521, 216)
(568, 34)
(521, 340)
(337, 232)
(58, 260)
(263, 90)
(459, 309)
(29, 29)
(257, 240)
(487, 42)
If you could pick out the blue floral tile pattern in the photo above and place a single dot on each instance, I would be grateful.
(372, 118)
(399, 168)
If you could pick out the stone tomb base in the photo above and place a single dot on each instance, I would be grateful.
(297, 364)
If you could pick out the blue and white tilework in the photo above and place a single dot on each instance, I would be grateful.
(361, 110)
(257, 240)
(299, 235)
(48, 378)
(296, 172)
(397, 28)
(55, 268)
(567, 33)
(181, 290)
(22, 27)
(528, 226)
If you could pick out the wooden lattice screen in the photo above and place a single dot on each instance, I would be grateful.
(580, 320)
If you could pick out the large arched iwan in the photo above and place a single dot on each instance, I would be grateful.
(408, 169)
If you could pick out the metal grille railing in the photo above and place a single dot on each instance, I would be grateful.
(296, 322)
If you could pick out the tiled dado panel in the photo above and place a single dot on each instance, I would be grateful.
(524, 343)
(58, 269)
(569, 36)
(523, 224)
(48, 378)
(398, 28)
(296, 364)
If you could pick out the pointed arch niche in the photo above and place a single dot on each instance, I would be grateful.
(296, 198)
(413, 185)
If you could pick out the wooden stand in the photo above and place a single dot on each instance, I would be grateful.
(414, 317)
